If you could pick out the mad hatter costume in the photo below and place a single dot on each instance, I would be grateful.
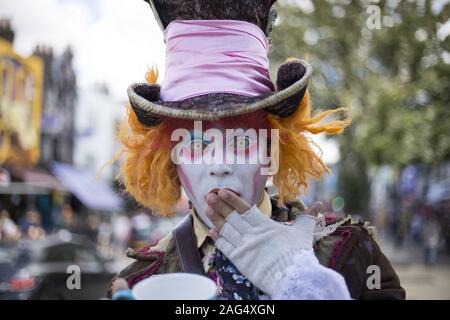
(253, 246)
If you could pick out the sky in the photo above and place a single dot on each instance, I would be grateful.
(114, 41)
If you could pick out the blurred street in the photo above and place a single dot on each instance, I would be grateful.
(421, 281)
(424, 282)
(66, 198)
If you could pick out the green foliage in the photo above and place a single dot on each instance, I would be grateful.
(394, 80)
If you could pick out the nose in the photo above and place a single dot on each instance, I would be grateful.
(220, 170)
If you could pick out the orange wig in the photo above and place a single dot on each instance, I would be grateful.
(150, 176)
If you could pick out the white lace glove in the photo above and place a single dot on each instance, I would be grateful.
(263, 249)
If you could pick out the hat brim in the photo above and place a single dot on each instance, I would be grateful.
(145, 101)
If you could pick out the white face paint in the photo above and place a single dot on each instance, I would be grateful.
(207, 164)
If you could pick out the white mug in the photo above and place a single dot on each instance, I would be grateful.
(175, 286)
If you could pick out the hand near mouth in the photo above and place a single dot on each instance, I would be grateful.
(259, 247)
(220, 206)
(222, 203)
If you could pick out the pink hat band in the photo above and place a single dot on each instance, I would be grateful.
(215, 56)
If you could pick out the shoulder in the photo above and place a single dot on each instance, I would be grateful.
(340, 238)
(149, 260)
(335, 238)
(350, 250)
(153, 251)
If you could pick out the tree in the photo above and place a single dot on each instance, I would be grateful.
(394, 80)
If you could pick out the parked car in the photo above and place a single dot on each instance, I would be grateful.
(40, 269)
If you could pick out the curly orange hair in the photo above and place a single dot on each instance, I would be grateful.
(150, 176)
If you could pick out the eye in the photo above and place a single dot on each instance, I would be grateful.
(241, 143)
(198, 145)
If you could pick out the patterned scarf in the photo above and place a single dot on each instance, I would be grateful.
(234, 285)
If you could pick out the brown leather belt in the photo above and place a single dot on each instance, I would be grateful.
(186, 246)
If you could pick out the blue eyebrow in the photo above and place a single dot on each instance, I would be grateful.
(195, 134)
(198, 135)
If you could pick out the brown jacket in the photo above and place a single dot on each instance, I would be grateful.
(350, 250)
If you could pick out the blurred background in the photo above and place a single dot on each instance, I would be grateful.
(64, 69)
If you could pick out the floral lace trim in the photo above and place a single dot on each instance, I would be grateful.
(322, 230)
(307, 279)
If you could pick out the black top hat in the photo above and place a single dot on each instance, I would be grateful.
(258, 12)
(292, 76)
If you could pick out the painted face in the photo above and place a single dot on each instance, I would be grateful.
(222, 158)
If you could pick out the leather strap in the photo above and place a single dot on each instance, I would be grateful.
(186, 246)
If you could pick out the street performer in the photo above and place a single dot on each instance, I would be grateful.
(218, 128)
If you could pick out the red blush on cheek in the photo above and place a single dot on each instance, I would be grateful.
(186, 183)
(252, 149)
(188, 154)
